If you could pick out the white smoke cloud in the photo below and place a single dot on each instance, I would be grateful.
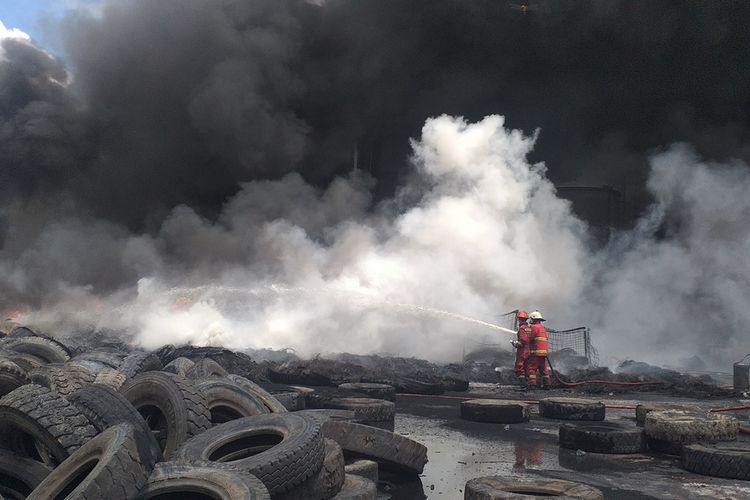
(290, 266)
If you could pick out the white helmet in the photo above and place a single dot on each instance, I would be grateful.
(536, 316)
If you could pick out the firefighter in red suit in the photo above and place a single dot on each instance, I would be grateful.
(522, 343)
(537, 363)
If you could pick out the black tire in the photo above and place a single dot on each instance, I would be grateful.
(273, 404)
(329, 414)
(375, 391)
(108, 466)
(20, 332)
(111, 378)
(367, 469)
(19, 475)
(12, 376)
(669, 430)
(357, 488)
(390, 450)
(111, 359)
(179, 366)
(603, 437)
(171, 405)
(498, 487)
(571, 409)
(63, 379)
(291, 397)
(412, 386)
(280, 449)
(228, 401)
(48, 350)
(206, 368)
(375, 412)
(729, 460)
(176, 480)
(40, 424)
(643, 409)
(105, 408)
(326, 483)
(139, 362)
(27, 362)
(495, 411)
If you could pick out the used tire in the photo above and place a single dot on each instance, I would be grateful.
(669, 430)
(40, 424)
(228, 401)
(500, 488)
(495, 411)
(603, 437)
(105, 408)
(329, 414)
(729, 460)
(179, 366)
(45, 349)
(173, 408)
(280, 449)
(357, 488)
(326, 483)
(391, 451)
(111, 359)
(63, 379)
(12, 376)
(139, 362)
(273, 404)
(367, 469)
(19, 476)
(376, 391)
(292, 398)
(110, 377)
(413, 386)
(571, 409)
(176, 480)
(641, 410)
(374, 412)
(206, 368)
(108, 466)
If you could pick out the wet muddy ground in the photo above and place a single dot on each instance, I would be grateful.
(461, 450)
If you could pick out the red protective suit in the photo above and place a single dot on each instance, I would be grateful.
(522, 352)
(538, 356)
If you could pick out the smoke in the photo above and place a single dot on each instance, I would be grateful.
(185, 172)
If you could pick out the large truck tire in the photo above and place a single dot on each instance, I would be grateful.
(228, 401)
(501, 488)
(643, 409)
(40, 424)
(729, 460)
(63, 379)
(205, 368)
(179, 366)
(19, 475)
(139, 362)
(391, 451)
(12, 376)
(171, 405)
(105, 408)
(273, 404)
(571, 409)
(669, 430)
(171, 480)
(281, 449)
(367, 469)
(327, 482)
(374, 412)
(375, 391)
(48, 350)
(495, 411)
(108, 466)
(111, 378)
(603, 437)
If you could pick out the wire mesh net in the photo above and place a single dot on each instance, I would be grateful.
(577, 340)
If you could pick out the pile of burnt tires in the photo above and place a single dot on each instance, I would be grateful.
(110, 424)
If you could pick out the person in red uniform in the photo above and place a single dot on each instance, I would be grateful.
(522, 343)
(538, 355)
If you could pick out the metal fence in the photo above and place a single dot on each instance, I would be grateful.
(575, 339)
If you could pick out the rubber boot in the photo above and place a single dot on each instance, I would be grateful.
(523, 383)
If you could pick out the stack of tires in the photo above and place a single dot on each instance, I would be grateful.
(123, 425)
